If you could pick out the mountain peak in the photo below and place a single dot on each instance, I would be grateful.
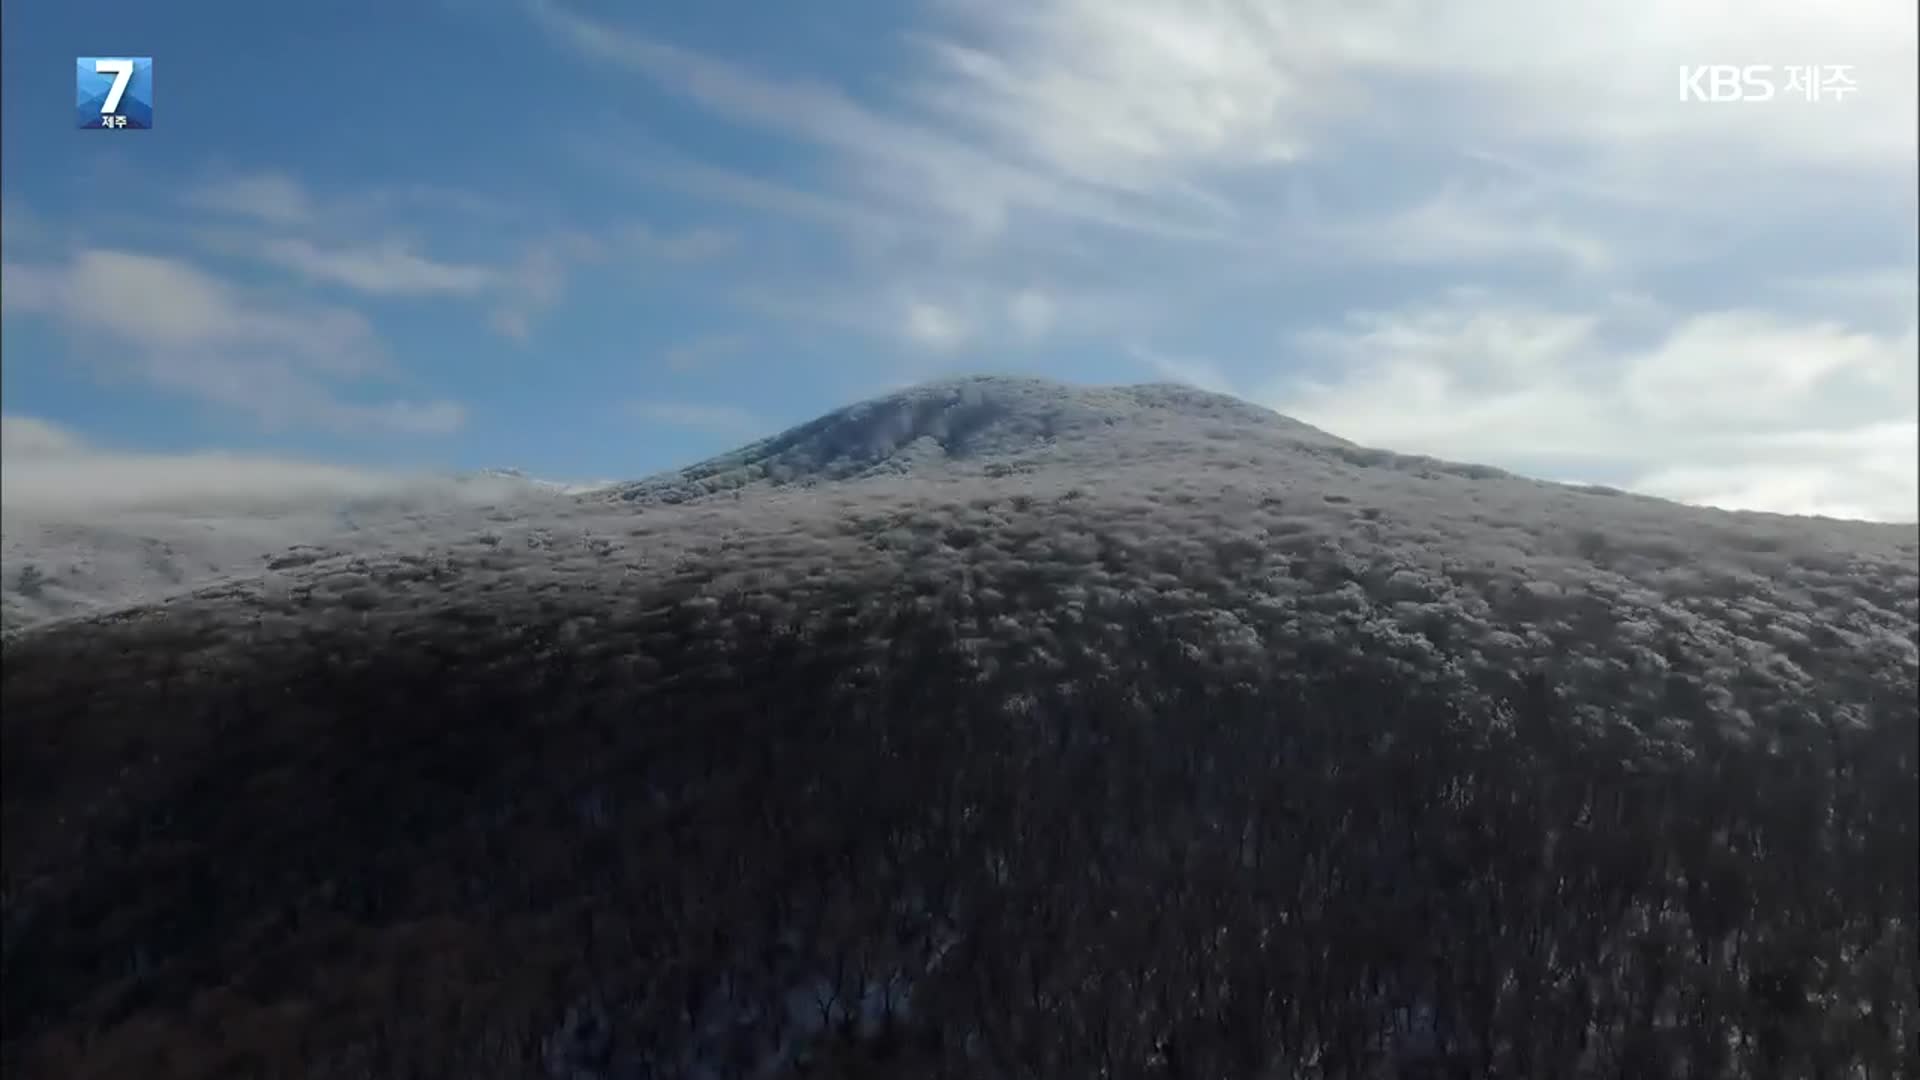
(969, 420)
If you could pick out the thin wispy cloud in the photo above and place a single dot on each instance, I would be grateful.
(390, 268)
(895, 158)
(271, 198)
(366, 242)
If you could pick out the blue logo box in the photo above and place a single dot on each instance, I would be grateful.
(114, 92)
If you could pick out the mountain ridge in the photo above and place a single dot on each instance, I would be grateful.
(983, 429)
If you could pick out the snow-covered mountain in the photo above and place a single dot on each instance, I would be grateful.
(1081, 725)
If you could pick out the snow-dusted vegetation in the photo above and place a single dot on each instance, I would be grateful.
(992, 729)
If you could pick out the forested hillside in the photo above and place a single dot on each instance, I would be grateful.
(1162, 740)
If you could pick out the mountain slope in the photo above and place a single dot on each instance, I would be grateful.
(1206, 747)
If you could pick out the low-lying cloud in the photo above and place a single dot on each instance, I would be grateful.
(47, 468)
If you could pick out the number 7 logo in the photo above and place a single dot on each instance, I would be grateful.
(114, 92)
(121, 68)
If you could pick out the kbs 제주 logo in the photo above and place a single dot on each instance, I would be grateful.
(115, 92)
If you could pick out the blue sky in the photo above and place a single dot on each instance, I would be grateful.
(592, 239)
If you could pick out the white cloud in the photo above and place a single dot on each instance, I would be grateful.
(272, 198)
(1859, 485)
(932, 326)
(1141, 93)
(1748, 369)
(1032, 313)
(1454, 227)
(27, 436)
(390, 268)
(1126, 147)
(1114, 94)
(49, 467)
(1140, 147)
(1733, 408)
(175, 326)
(164, 303)
(108, 527)
(895, 161)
